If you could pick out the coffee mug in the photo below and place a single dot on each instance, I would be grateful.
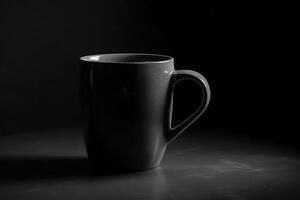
(127, 108)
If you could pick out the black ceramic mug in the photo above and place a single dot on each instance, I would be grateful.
(127, 108)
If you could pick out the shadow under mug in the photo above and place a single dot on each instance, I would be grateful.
(127, 108)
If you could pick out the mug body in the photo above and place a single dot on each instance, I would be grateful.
(125, 107)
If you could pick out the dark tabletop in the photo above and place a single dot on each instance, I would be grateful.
(53, 165)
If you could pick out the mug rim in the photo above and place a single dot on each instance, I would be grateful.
(157, 58)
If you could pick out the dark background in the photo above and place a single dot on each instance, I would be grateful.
(235, 47)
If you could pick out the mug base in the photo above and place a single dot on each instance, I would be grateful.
(98, 170)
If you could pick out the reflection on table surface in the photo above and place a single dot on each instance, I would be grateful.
(53, 165)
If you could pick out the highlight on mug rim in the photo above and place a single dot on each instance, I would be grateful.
(127, 58)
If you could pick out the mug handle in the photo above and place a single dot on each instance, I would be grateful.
(177, 76)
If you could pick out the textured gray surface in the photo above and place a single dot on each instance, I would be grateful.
(53, 165)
